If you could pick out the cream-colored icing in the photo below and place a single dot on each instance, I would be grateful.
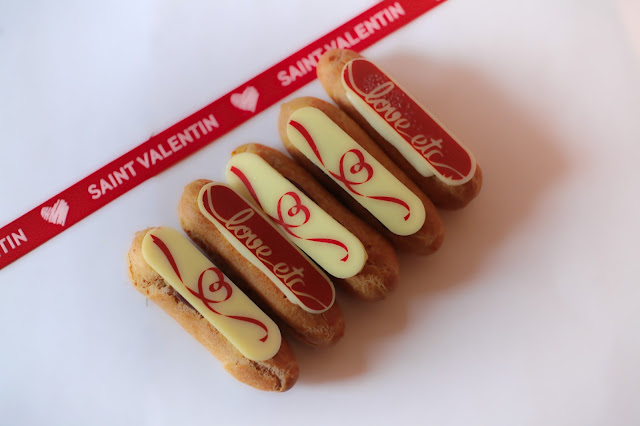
(274, 191)
(388, 132)
(251, 257)
(334, 144)
(232, 319)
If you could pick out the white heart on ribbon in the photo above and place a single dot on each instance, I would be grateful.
(56, 214)
(247, 100)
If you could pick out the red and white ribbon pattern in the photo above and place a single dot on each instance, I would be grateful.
(184, 138)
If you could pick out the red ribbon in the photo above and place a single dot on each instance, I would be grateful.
(200, 129)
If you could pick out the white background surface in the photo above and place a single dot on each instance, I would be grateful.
(529, 314)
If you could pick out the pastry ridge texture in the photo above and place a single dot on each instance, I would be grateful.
(379, 275)
(329, 71)
(427, 240)
(318, 330)
(279, 373)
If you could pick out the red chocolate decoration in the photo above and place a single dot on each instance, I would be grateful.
(250, 229)
(408, 119)
(167, 253)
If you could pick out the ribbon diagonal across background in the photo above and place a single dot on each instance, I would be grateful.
(198, 130)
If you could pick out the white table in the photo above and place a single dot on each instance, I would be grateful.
(529, 314)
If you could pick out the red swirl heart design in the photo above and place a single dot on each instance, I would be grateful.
(203, 292)
(354, 170)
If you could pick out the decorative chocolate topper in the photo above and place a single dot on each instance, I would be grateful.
(259, 242)
(402, 121)
(211, 293)
(315, 232)
(330, 148)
